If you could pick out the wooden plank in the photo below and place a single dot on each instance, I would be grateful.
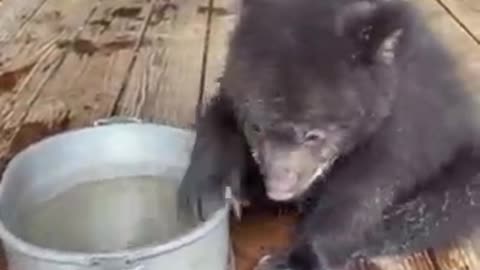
(467, 15)
(223, 18)
(164, 85)
(89, 55)
(16, 14)
(29, 61)
(258, 234)
(465, 50)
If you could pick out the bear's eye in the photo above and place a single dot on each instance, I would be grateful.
(314, 136)
(255, 128)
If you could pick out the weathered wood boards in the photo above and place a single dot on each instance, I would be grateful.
(65, 63)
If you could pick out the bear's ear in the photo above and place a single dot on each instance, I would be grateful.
(374, 28)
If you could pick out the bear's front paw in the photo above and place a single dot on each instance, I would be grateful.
(273, 262)
(294, 261)
(360, 262)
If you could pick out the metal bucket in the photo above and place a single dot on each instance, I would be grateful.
(108, 149)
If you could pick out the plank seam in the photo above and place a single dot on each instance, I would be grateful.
(206, 48)
(458, 21)
(29, 18)
(131, 65)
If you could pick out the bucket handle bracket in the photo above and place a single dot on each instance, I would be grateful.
(116, 120)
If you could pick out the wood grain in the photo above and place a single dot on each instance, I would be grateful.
(465, 50)
(131, 57)
(14, 15)
(29, 61)
(164, 83)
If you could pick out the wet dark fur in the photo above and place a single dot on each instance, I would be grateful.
(409, 181)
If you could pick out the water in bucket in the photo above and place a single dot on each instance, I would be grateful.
(105, 216)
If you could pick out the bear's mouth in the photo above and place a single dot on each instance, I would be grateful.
(281, 193)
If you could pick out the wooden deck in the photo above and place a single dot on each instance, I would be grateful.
(65, 63)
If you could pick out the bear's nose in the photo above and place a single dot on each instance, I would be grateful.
(282, 180)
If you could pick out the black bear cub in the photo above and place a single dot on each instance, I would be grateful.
(352, 106)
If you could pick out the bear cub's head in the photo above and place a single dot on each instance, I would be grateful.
(310, 80)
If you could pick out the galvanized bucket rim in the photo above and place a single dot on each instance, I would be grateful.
(89, 259)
